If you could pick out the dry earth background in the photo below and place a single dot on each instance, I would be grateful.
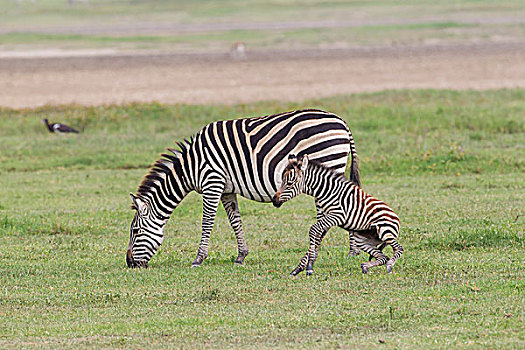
(467, 50)
(288, 76)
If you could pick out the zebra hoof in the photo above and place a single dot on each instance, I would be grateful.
(196, 263)
(198, 260)
(354, 253)
(389, 268)
(240, 258)
(309, 272)
(364, 268)
(296, 272)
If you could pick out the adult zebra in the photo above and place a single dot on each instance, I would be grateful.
(226, 158)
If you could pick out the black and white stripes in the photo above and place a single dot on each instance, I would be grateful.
(227, 158)
(342, 203)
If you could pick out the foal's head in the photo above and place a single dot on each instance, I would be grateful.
(292, 180)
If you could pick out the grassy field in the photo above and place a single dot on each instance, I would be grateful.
(450, 163)
(178, 25)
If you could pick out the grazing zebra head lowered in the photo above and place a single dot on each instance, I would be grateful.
(229, 158)
(146, 234)
(373, 223)
(153, 205)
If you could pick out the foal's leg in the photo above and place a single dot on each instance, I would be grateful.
(316, 233)
(302, 265)
(320, 215)
(381, 259)
(381, 247)
(304, 260)
(369, 241)
(354, 249)
(398, 250)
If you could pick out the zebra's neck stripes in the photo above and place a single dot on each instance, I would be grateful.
(166, 185)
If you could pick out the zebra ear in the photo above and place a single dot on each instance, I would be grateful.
(304, 162)
(136, 203)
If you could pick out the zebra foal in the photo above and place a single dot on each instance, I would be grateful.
(343, 204)
(229, 158)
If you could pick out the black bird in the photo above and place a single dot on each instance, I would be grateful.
(59, 128)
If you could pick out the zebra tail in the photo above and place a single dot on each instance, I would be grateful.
(354, 168)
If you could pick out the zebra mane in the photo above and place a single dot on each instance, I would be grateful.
(163, 166)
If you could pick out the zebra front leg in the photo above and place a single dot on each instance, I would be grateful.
(320, 214)
(302, 265)
(211, 196)
(229, 201)
(316, 234)
(310, 264)
(304, 260)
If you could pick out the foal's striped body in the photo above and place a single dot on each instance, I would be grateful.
(343, 204)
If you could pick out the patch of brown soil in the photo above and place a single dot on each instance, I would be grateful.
(270, 75)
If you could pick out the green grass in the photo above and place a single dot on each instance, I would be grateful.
(450, 163)
(270, 37)
(47, 11)
(49, 23)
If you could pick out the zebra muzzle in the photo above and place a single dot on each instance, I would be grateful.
(129, 259)
(276, 201)
(132, 262)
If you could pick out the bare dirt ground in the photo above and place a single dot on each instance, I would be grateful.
(94, 78)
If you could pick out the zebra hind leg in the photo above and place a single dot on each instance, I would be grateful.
(354, 249)
(381, 247)
(374, 252)
(398, 251)
(229, 201)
